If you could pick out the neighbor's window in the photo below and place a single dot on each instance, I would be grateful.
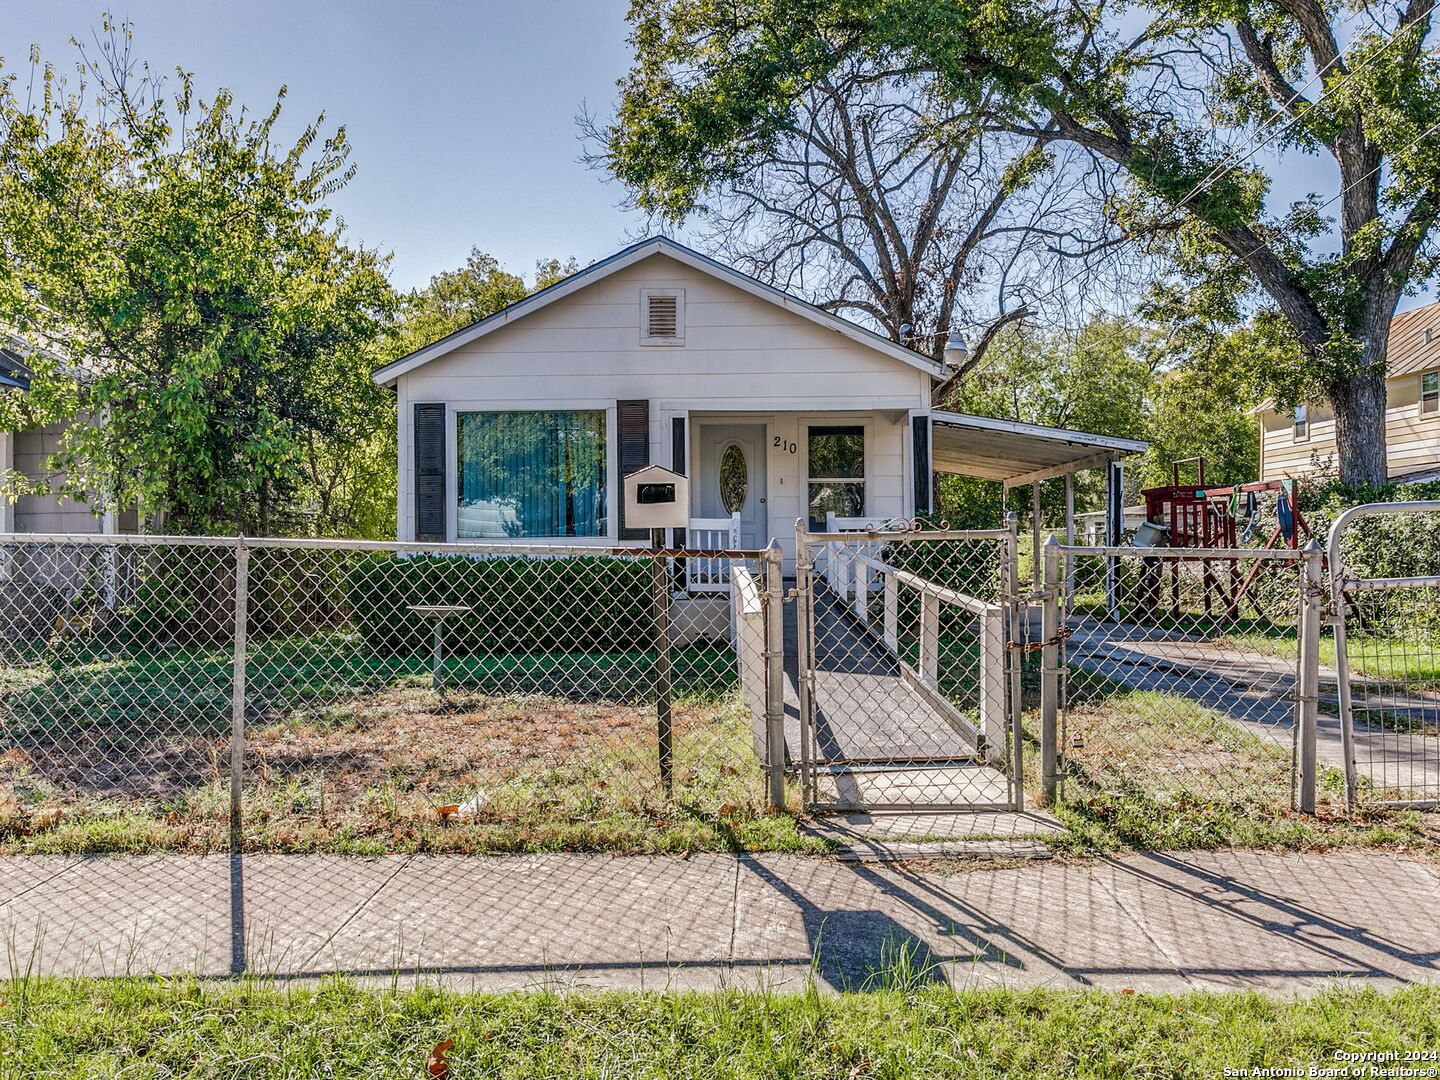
(531, 474)
(1302, 423)
(837, 473)
(1429, 392)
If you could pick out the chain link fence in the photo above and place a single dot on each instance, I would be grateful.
(1385, 565)
(906, 678)
(1176, 679)
(358, 697)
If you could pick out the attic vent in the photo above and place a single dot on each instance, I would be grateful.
(663, 317)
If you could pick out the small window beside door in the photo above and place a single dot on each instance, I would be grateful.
(662, 316)
(1430, 393)
(1302, 423)
(836, 458)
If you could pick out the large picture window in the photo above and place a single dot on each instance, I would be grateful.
(531, 474)
(837, 473)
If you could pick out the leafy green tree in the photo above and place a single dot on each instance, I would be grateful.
(208, 323)
(1098, 380)
(1173, 96)
(456, 298)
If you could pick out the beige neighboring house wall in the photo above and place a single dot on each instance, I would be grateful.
(27, 452)
(1412, 425)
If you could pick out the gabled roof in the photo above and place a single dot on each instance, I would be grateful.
(1414, 342)
(1412, 346)
(655, 245)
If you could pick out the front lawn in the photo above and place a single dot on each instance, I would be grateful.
(348, 752)
(158, 1028)
(1152, 770)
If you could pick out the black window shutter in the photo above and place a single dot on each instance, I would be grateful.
(632, 423)
(923, 471)
(677, 444)
(429, 436)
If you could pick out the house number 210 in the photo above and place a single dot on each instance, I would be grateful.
(781, 444)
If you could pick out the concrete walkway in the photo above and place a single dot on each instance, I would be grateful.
(1152, 922)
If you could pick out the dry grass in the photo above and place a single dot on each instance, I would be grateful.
(380, 773)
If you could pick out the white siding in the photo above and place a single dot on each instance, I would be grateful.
(741, 356)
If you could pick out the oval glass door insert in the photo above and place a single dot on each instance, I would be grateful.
(734, 478)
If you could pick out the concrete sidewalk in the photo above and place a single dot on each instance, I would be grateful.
(1151, 922)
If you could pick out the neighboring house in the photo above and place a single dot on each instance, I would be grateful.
(26, 452)
(521, 426)
(1297, 442)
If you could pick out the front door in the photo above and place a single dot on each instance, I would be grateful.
(730, 475)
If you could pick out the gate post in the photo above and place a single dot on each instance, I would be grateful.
(804, 617)
(238, 693)
(1307, 695)
(1050, 670)
(775, 674)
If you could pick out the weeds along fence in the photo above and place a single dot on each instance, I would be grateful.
(332, 695)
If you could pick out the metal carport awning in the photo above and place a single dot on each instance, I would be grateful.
(1014, 454)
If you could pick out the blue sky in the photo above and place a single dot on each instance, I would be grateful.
(461, 112)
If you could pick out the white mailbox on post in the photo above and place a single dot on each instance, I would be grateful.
(657, 498)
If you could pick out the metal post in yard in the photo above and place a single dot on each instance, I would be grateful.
(237, 693)
(1050, 670)
(804, 599)
(1012, 602)
(1307, 698)
(661, 589)
(775, 673)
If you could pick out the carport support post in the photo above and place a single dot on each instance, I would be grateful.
(1050, 670)
(1307, 699)
(775, 674)
(660, 582)
(237, 692)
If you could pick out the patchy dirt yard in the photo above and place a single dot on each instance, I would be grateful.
(403, 770)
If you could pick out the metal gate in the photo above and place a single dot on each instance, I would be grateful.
(1385, 597)
(908, 694)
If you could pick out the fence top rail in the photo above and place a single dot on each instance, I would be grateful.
(400, 547)
(906, 535)
(1337, 530)
(1187, 554)
(1379, 583)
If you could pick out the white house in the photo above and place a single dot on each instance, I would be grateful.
(522, 425)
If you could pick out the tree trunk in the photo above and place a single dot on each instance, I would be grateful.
(1359, 402)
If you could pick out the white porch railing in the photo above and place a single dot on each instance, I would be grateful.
(865, 567)
(710, 574)
(840, 571)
